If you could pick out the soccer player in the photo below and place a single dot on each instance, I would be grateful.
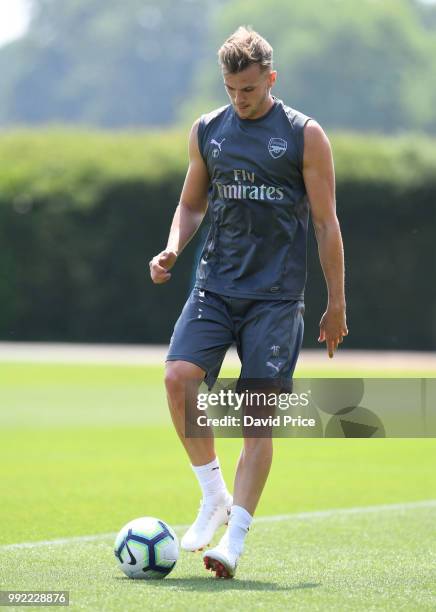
(259, 166)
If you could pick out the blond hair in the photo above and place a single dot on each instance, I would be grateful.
(243, 48)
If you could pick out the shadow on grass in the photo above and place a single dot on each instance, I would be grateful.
(208, 583)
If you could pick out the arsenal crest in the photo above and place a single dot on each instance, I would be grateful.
(277, 147)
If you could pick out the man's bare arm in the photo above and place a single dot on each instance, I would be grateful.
(319, 178)
(188, 215)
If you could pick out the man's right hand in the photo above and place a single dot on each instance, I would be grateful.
(160, 266)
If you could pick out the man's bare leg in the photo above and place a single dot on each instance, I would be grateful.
(252, 472)
(179, 374)
(182, 381)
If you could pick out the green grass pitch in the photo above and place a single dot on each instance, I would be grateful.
(84, 449)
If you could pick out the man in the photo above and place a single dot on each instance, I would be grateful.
(257, 163)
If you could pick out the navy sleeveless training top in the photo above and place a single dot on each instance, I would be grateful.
(258, 207)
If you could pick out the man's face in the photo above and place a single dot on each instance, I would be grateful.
(249, 90)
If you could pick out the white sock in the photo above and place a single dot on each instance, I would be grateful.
(211, 481)
(239, 524)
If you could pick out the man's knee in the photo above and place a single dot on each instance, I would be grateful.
(258, 446)
(179, 374)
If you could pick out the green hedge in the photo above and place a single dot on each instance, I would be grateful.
(81, 214)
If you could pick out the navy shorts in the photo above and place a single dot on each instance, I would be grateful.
(268, 335)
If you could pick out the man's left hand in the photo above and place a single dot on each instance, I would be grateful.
(333, 328)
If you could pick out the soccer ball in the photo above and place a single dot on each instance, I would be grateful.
(146, 548)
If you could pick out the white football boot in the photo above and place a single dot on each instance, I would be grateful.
(210, 517)
(223, 559)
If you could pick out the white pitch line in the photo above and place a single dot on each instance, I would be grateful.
(298, 516)
(305, 516)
